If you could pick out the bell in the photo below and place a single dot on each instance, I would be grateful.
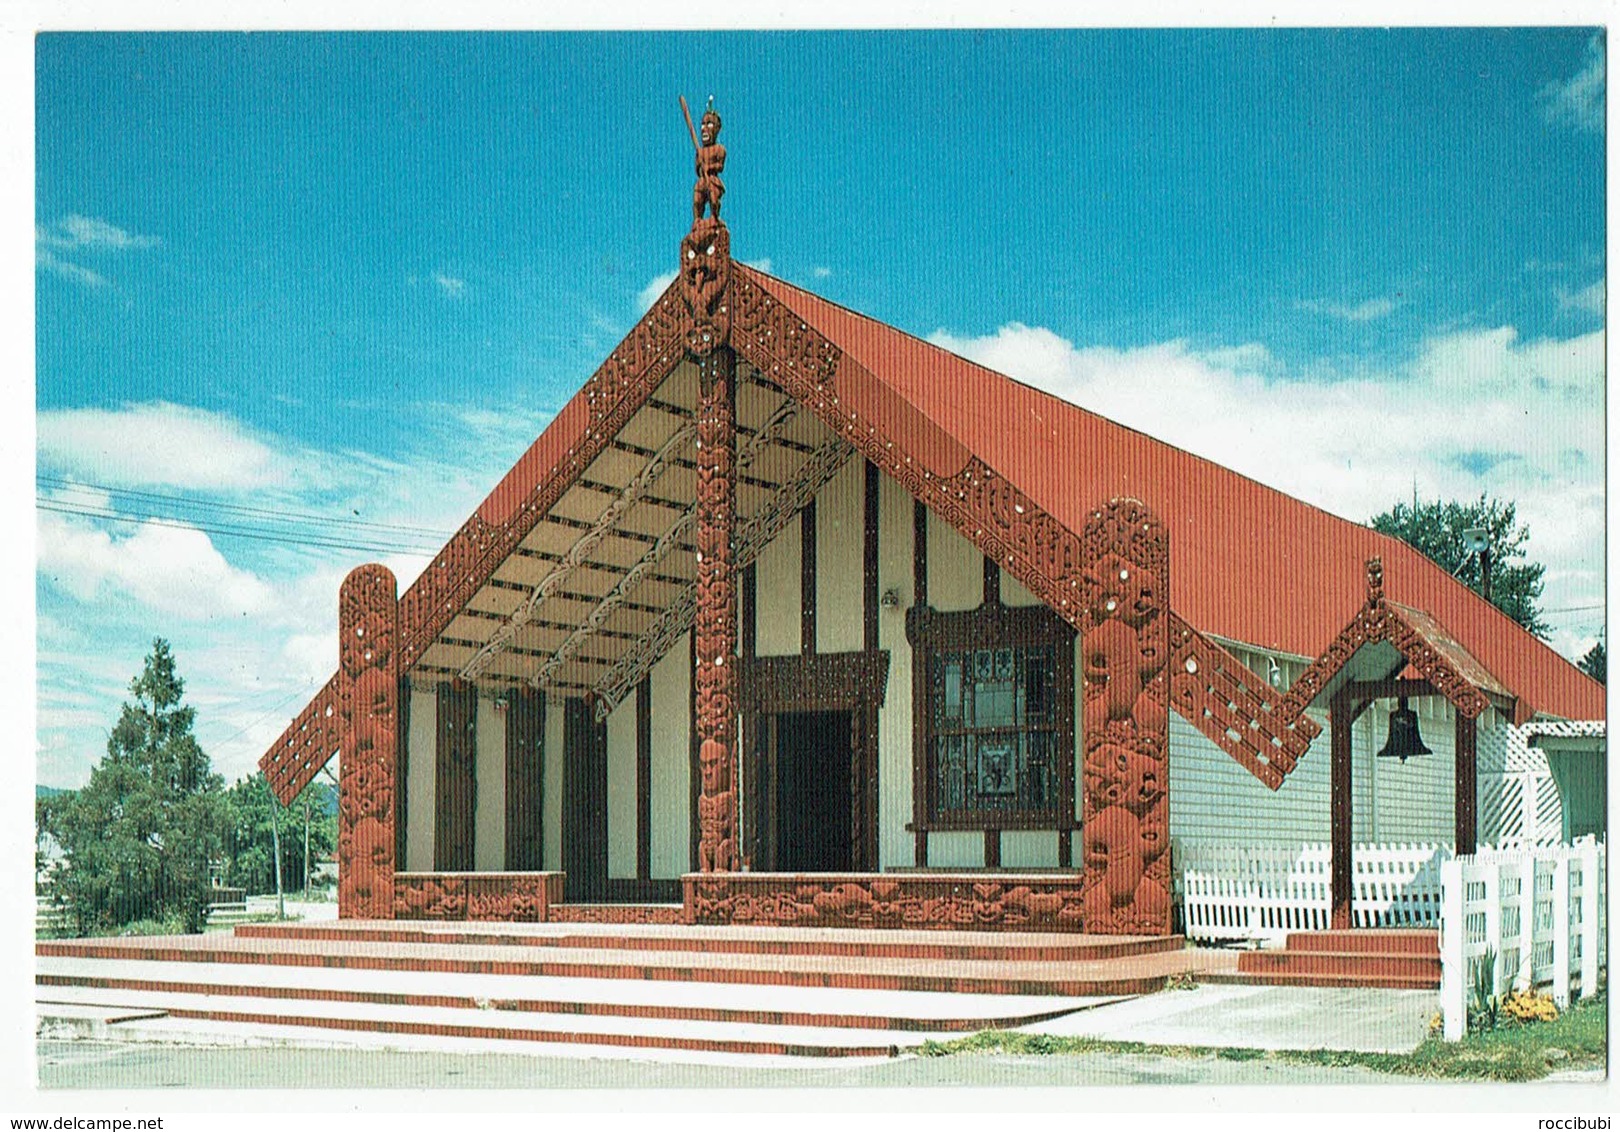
(1403, 738)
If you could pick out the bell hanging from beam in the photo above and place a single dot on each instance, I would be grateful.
(1404, 740)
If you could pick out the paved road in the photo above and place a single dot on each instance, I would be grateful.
(116, 1065)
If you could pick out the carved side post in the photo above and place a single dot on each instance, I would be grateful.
(1126, 722)
(368, 658)
(714, 625)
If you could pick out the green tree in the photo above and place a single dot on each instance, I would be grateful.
(137, 839)
(250, 841)
(1596, 663)
(1437, 529)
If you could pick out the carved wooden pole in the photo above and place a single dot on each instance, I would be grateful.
(1125, 570)
(368, 659)
(715, 622)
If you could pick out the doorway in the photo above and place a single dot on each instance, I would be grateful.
(813, 792)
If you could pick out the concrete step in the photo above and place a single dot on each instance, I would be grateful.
(1380, 941)
(1309, 979)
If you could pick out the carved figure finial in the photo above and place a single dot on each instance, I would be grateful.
(1375, 581)
(710, 161)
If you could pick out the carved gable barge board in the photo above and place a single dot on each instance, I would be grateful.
(1379, 620)
(1006, 525)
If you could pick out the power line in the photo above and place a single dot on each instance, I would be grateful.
(259, 534)
(83, 487)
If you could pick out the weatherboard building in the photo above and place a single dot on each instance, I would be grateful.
(790, 617)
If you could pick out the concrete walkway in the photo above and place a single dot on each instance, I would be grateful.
(1360, 1018)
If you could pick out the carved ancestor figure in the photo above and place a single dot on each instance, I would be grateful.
(710, 163)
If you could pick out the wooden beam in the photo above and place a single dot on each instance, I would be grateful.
(919, 684)
(919, 554)
(807, 579)
(869, 559)
(644, 779)
(1343, 868)
(525, 799)
(456, 789)
(1465, 805)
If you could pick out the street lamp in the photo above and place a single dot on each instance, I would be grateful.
(1478, 543)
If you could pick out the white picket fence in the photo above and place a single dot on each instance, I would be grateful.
(1262, 893)
(1537, 914)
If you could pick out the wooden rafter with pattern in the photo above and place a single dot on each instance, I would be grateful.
(579, 554)
(753, 536)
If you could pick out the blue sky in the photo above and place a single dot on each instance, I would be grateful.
(351, 276)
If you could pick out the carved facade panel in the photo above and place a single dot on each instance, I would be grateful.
(369, 673)
(1048, 902)
(1124, 650)
(510, 897)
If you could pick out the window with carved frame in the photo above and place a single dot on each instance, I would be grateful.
(994, 718)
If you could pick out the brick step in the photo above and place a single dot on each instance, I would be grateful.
(1340, 963)
(1382, 941)
(1306, 979)
(1140, 974)
(967, 1013)
(840, 942)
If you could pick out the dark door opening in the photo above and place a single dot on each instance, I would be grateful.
(814, 792)
(584, 831)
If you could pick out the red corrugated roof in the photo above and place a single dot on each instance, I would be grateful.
(1249, 563)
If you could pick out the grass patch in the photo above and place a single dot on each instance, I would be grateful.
(1524, 1051)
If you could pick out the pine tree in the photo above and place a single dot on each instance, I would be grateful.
(138, 837)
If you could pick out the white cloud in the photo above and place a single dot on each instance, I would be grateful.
(648, 295)
(175, 571)
(1364, 311)
(1474, 411)
(48, 260)
(820, 272)
(1589, 299)
(157, 443)
(75, 231)
(763, 264)
(450, 285)
(1578, 100)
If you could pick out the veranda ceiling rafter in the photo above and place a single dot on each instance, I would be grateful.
(583, 546)
(674, 538)
(753, 536)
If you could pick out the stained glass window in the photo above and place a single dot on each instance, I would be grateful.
(994, 722)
